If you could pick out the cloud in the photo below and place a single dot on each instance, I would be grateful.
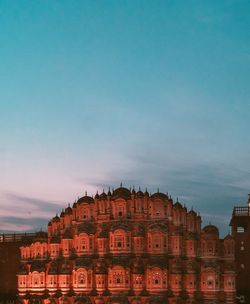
(23, 213)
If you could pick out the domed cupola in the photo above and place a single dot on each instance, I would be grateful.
(85, 199)
(139, 193)
(178, 205)
(121, 192)
(103, 195)
(56, 218)
(211, 230)
(68, 210)
(159, 195)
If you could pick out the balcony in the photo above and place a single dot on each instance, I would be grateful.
(241, 211)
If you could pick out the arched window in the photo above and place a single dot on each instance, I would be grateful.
(81, 278)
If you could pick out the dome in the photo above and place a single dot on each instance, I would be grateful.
(68, 210)
(159, 195)
(121, 193)
(192, 212)
(139, 193)
(178, 205)
(56, 218)
(211, 229)
(86, 200)
(97, 195)
(103, 196)
(228, 237)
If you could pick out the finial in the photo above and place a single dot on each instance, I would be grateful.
(121, 184)
(158, 190)
(146, 190)
(139, 188)
(177, 200)
(68, 204)
(86, 193)
(209, 222)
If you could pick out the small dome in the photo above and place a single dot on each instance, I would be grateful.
(86, 200)
(56, 218)
(211, 229)
(139, 194)
(103, 196)
(62, 214)
(178, 205)
(228, 237)
(49, 223)
(97, 195)
(159, 195)
(68, 210)
(121, 192)
(192, 212)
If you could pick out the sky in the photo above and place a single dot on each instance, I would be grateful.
(148, 93)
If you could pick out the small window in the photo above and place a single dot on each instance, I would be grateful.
(240, 229)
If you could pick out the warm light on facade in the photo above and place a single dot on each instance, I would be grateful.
(128, 247)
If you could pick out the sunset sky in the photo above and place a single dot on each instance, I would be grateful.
(148, 93)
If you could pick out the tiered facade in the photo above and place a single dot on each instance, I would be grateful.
(128, 247)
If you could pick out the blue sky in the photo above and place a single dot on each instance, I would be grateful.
(151, 93)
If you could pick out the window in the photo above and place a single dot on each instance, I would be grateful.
(81, 279)
(240, 229)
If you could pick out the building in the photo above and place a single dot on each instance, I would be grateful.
(128, 247)
(240, 223)
(10, 260)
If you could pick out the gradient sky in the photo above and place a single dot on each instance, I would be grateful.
(150, 93)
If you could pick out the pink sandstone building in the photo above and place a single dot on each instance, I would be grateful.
(128, 247)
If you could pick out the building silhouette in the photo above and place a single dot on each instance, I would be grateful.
(128, 247)
(240, 223)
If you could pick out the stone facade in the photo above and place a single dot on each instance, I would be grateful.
(128, 247)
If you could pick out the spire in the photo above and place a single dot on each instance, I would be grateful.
(121, 184)
(86, 193)
(139, 188)
(158, 190)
